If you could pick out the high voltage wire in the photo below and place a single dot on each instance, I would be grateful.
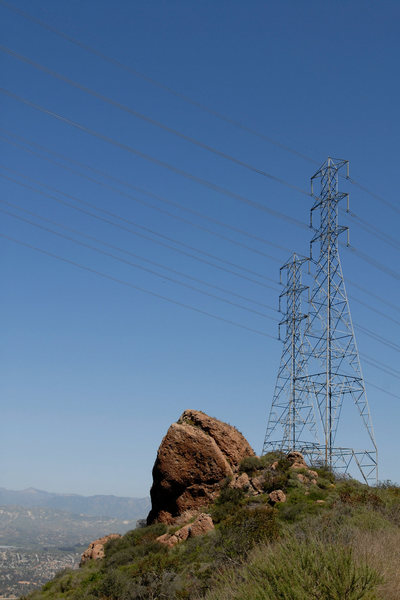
(372, 229)
(147, 119)
(377, 337)
(137, 266)
(154, 294)
(361, 222)
(381, 389)
(152, 159)
(375, 310)
(128, 252)
(134, 286)
(179, 205)
(372, 294)
(124, 228)
(156, 83)
(134, 187)
(373, 262)
(199, 180)
(117, 216)
(370, 333)
(185, 98)
(387, 369)
(145, 203)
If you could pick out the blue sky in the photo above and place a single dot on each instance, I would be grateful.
(93, 372)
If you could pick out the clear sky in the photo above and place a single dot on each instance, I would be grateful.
(93, 372)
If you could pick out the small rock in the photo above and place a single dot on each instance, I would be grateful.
(274, 465)
(202, 525)
(95, 551)
(258, 483)
(320, 502)
(242, 482)
(302, 478)
(297, 460)
(277, 496)
(313, 474)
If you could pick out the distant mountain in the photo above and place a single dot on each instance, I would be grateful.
(42, 527)
(95, 506)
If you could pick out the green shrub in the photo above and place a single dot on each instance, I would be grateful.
(299, 571)
(247, 527)
(227, 503)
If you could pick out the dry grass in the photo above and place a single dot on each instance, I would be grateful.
(381, 549)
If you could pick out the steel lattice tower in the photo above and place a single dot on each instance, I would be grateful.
(328, 365)
(290, 413)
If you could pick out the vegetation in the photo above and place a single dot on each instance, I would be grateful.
(334, 540)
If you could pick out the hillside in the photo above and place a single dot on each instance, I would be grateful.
(96, 506)
(270, 529)
(334, 540)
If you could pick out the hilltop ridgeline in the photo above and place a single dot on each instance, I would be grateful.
(228, 525)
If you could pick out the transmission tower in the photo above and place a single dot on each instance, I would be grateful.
(328, 371)
(290, 413)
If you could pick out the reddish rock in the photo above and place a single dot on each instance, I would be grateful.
(258, 483)
(242, 482)
(296, 460)
(196, 455)
(277, 496)
(95, 551)
(202, 525)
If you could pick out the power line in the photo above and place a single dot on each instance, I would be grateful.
(381, 389)
(373, 195)
(131, 186)
(128, 252)
(375, 310)
(377, 337)
(382, 367)
(137, 266)
(135, 287)
(372, 294)
(149, 120)
(145, 202)
(124, 228)
(372, 229)
(156, 161)
(156, 83)
(371, 261)
(186, 98)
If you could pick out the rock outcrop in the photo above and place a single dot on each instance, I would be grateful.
(202, 525)
(95, 551)
(197, 454)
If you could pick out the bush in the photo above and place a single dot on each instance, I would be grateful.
(227, 503)
(247, 527)
(296, 571)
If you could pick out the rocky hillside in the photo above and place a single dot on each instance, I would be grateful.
(228, 525)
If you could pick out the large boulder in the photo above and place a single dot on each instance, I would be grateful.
(194, 458)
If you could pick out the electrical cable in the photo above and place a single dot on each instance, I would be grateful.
(145, 203)
(135, 287)
(212, 186)
(377, 337)
(124, 228)
(154, 82)
(128, 252)
(185, 98)
(131, 186)
(137, 266)
(149, 120)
